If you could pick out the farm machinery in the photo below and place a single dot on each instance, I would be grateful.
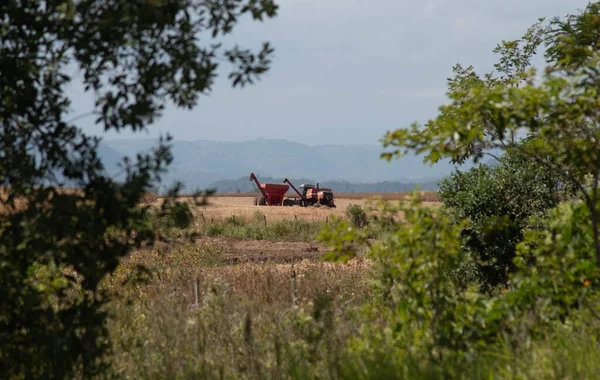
(274, 194)
(312, 196)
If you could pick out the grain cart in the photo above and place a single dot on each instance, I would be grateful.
(272, 194)
(312, 196)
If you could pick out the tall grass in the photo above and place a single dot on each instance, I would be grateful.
(195, 317)
(254, 228)
(191, 315)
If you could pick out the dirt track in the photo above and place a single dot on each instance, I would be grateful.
(258, 251)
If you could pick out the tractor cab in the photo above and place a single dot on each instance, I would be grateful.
(305, 188)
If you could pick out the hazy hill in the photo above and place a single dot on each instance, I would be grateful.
(199, 164)
(243, 185)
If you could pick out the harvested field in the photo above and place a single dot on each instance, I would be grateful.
(247, 241)
(426, 196)
(221, 207)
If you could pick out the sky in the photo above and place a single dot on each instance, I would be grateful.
(347, 71)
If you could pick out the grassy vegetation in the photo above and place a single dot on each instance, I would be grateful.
(191, 315)
(194, 317)
(255, 228)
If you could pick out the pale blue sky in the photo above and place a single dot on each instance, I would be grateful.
(345, 71)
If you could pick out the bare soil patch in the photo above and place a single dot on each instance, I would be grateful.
(264, 251)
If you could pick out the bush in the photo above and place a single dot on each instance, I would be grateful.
(357, 215)
(431, 312)
(175, 215)
(180, 215)
(557, 270)
(498, 202)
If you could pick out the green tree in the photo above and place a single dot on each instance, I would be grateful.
(573, 40)
(498, 203)
(559, 116)
(56, 246)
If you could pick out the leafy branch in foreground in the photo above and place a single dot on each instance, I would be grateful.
(559, 117)
(57, 245)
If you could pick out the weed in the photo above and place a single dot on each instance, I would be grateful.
(256, 229)
(357, 215)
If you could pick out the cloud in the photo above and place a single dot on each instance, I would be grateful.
(432, 6)
(363, 64)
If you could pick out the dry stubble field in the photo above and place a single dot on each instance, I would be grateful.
(241, 206)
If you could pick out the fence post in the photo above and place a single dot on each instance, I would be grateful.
(196, 303)
(294, 290)
(234, 220)
(265, 217)
(296, 218)
(327, 219)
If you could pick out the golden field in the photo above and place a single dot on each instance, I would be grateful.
(241, 205)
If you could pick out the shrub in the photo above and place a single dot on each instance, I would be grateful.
(498, 202)
(173, 215)
(557, 269)
(180, 215)
(357, 215)
(432, 313)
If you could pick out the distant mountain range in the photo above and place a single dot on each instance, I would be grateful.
(210, 164)
(243, 185)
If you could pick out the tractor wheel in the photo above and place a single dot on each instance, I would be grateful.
(317, 205)
(262, 201)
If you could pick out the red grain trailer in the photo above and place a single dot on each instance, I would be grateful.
(272, 194)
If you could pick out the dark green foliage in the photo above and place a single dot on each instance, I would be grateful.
(180, 216)
(517, 223)
(574, 39)
(357, 215)
(557, 264)
(431, 312)
(559, 114)
(134, 56)
(498, 202)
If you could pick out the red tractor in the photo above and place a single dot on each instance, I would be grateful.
(274, 194)
(311, 195)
